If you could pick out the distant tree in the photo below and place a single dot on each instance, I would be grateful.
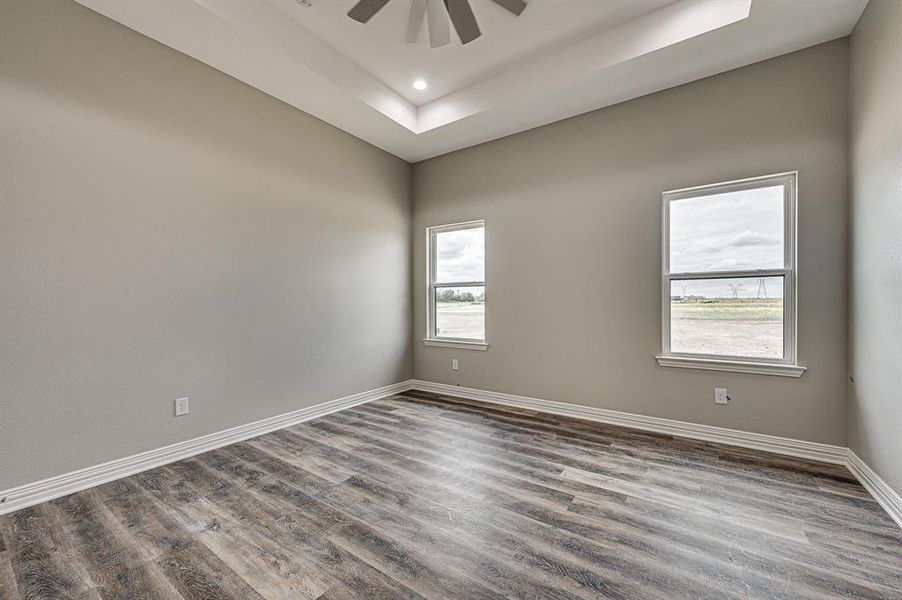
(448, 295)
(466, 297)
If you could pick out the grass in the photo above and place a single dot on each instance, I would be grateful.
(728, 309)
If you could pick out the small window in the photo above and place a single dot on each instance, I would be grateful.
(456, 275)
(728, 296)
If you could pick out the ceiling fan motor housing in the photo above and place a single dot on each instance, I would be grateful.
(458, 11)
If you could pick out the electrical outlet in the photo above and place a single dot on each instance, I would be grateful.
(721, 396)
(454, 364)
(181, 407)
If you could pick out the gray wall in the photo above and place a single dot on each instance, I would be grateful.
(875, 399)
(573, 241)
(168, 231)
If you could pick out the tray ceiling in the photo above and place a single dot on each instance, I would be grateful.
(557, 59)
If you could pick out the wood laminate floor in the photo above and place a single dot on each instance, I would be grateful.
(426, 496)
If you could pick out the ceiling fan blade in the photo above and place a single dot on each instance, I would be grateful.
(463, 19)
(415, 23)
(364, 10)
(437, 23)
(515, 6)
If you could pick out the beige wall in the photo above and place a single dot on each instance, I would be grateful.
(573, 239)
(168, 231)
(875, 398)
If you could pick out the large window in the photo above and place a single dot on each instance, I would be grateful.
(729, 277)
(456, 294)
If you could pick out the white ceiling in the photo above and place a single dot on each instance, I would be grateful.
(378, 46)
(557, 59)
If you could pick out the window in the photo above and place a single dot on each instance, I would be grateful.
(456, 295)
(728, 293)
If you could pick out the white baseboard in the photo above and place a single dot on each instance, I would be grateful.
(879, 489)
(876, 487)
(68, 483)
(756, 441)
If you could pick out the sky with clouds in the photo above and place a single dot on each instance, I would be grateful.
(460, 255)
(727, 232)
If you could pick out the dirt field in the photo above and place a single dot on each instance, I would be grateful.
(460, 320)
(751, 328)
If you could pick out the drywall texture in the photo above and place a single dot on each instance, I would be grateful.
(875, 397)
(573, 245)
(168, 231)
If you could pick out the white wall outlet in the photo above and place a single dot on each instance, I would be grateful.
(721, 396)
(181, 407)
(454, 364)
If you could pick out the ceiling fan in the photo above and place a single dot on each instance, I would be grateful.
(436, 13)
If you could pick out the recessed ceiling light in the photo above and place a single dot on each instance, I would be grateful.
(420, 84)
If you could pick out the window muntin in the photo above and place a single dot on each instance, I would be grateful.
(729, 271)
(456, 295)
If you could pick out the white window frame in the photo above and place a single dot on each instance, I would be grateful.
(786, 366)
(431, 285)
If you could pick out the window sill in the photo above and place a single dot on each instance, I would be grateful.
(456, 344)
(735, 366)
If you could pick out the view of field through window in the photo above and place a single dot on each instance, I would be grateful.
(734, 234)
(729, 317)
(459, 310)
